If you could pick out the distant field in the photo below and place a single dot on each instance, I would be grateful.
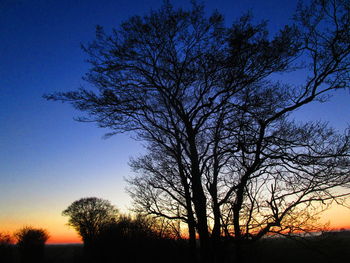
(53, 254)
(328, 248)
(63, 253)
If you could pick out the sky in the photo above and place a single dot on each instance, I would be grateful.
(48, 160)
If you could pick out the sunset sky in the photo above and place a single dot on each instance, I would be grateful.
(48, 160)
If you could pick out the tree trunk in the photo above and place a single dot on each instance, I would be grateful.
(217, 214)
(199, 199)
(202, 225)
(192, 240)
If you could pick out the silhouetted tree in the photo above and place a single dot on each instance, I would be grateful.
(89, 215)
(31, 243)
(205, 96)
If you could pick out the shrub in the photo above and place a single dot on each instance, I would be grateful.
(5, 248)
(133, 240)
(31, 242)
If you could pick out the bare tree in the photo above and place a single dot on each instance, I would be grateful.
(224, 152)
(89, 215)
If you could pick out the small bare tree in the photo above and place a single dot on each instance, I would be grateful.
(89, 215)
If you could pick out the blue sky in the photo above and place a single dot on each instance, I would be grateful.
(47, 160)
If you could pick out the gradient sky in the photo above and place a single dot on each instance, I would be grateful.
(47, 160)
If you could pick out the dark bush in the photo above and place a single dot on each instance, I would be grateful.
(6, 249)
(31, 243)
(133, 240)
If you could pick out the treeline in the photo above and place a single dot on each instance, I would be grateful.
(107, 235)
(110, 236)
(135, 240)
(126, 240)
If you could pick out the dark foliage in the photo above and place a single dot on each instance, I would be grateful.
(134, 240)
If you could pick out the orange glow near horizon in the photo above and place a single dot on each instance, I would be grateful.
(337, 216)
(56, 226)
(57, 234)
(65, 239)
